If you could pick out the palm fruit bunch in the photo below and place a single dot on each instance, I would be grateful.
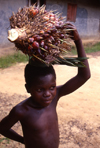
(42, 35)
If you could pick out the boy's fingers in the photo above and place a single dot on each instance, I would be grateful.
(69, 25)
(73, 33)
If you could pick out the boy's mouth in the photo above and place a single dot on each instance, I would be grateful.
(47, 101)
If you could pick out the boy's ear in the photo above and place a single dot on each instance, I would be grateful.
(27, 88)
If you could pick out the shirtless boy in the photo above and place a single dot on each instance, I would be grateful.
(37, 114)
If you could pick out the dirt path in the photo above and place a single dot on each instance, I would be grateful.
(79, 112)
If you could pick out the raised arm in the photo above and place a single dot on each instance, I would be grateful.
(83, 73)
(7, 123)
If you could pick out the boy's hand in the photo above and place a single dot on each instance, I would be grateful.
(83, 73)
(8, 122)
(73, 33)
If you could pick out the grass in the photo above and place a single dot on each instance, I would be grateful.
(4, 139)
(10, 60)
(89, 48)
(18, 57)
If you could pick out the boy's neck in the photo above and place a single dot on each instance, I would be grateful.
(35, 105)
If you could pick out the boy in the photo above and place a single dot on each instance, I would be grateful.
(37, 114)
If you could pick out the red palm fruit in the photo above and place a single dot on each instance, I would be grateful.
(43, 56)
(49, 31)
(45, 11)
(37, 10)
(54, 30)
(30, 47)
(39, 51)
(46, 35)
(46, 18)
(29, 50)
(41, 32)
(61, 23)
(62, 36)
(56, 43)
(34, 11)
(59, 42)
(35, 45)
(38, 38)
(30, 40)
(58, 26)
(56, 19)
(42, 43)
(46, 47)
(52, 15)
(52, 18)
(35, 36)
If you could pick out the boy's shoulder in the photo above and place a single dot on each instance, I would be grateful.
(20, 109)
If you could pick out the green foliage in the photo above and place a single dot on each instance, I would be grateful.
(4, 139)
(94, 48)
(18, 57)
(12, 59)
(89, 48)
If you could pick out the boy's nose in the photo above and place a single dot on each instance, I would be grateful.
(46, 94)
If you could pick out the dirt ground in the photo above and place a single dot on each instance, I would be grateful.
(79, 112)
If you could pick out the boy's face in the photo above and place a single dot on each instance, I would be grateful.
(43, 90)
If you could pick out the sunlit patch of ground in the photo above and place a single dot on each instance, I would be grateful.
(78, 113)
(73, 134)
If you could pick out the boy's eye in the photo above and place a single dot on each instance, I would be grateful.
(39, 90)
(52, 88)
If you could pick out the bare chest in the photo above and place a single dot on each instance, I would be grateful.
(40, 120)
(40, 128)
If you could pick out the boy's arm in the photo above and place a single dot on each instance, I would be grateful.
(7, 123)
(83, 73)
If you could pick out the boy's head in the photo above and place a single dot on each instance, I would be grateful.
(41, 84)
(33, 72)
